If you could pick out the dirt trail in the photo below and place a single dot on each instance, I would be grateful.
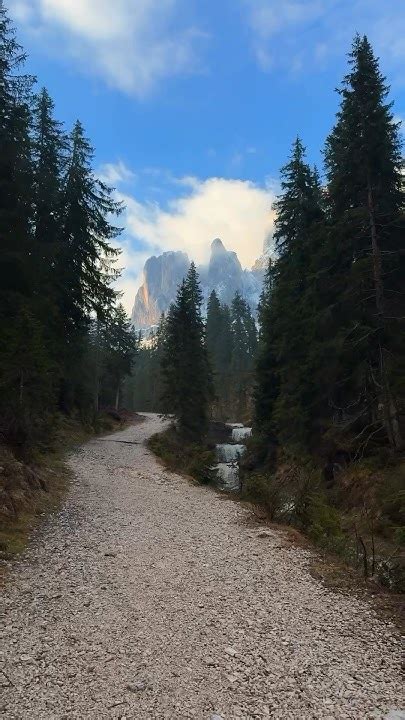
(148, 597)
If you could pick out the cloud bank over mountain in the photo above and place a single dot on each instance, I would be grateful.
(223, 273)
(237, 211)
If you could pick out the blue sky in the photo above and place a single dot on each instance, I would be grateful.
(192, 105)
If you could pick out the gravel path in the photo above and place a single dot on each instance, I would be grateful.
(148, 597)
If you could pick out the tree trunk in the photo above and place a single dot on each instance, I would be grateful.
(117, 397)
(97, 395)
(21, 394)
(98, 371)
(390, 412)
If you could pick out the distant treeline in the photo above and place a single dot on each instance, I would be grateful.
(229, 336)
(65, 343)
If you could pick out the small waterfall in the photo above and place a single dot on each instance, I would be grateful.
(228, 475)
(241, 433)
(228, 456)
(229, 453)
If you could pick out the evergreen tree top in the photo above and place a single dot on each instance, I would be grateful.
(12, 55)
(363, 151)
(193, 288)
(300, 200)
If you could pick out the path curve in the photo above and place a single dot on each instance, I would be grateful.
(148, 597)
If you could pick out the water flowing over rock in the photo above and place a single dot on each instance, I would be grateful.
(228, 456)
(229, 453)
(241, 433)
(228, 476)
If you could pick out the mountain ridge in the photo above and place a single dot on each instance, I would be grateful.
(163, 273)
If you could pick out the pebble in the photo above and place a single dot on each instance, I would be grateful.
(137, 687)
(194, 612)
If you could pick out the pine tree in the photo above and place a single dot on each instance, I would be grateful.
(286, 379)
(49, 159)
(120, 348)
(214, 329)
(366, 196)
(243, 352)
(85, 264)
(21, 357)
(244, 336)
(49, 149)
(266, 384)
(143, 389)
(15, 170)
(185, 366)
(56, 262)
(219, 347)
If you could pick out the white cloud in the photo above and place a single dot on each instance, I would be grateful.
(269, 19)
(115, 174)
(22, 12)
(131, 44)
(302, 34)
(237, 211)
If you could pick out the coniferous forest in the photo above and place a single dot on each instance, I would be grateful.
(324, 381)
(321, 371)
(329, 359)
(66, 343)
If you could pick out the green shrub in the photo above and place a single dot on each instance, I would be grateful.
(193, 459)
(266, 491)
(324, 526)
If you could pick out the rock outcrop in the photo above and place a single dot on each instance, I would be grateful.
(161, 277)
(224, 274)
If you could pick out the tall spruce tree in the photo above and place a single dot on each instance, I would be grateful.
(243, 352)
(266, 382)
(18, 365)
(367, 202)
(286, 316)
(185, 365)
(214, 329)
(15, 170)
(219, 347)
(120, 348)
(49, 150)
(244, 336)
(85, 264)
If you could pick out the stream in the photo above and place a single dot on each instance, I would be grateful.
(228, 456)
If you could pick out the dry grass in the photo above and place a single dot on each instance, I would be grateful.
(28, 491)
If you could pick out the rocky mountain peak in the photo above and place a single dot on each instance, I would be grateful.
(163, 274)
(217, 247)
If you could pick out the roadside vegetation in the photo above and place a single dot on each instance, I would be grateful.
(357, 516)
(195, 460)
(66, 344)
(35, 484)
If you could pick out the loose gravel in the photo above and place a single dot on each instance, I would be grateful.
(149, 597)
